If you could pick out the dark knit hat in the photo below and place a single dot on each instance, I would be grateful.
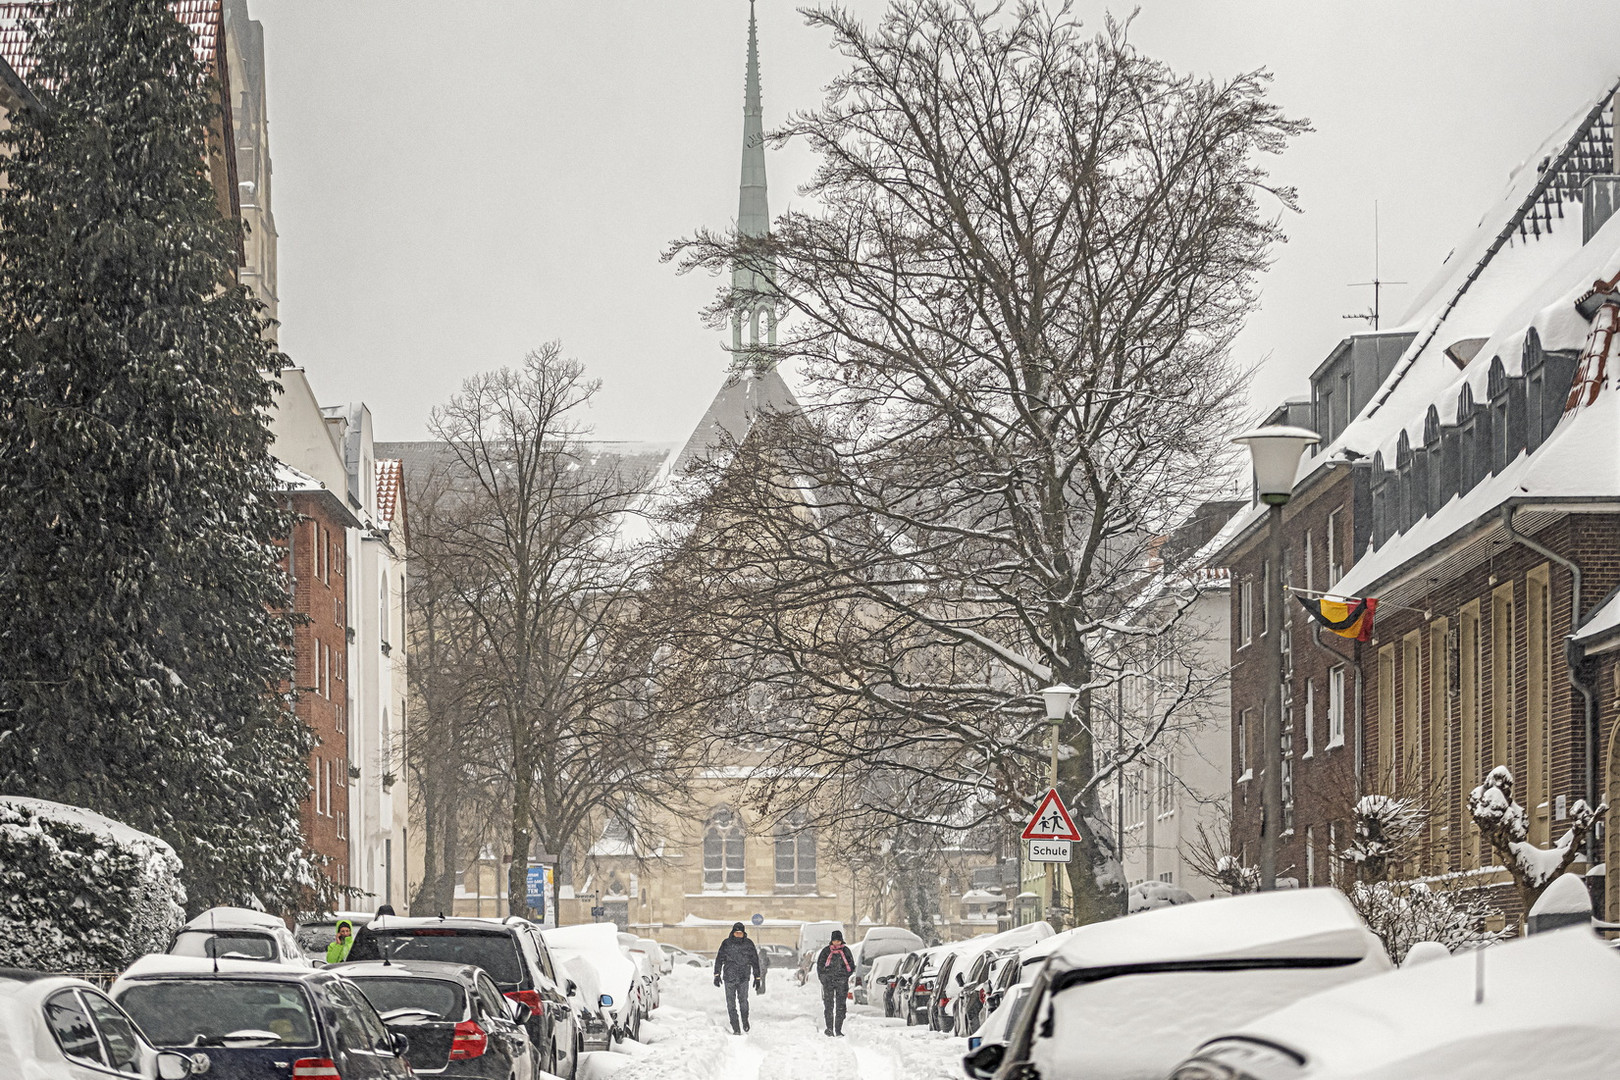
(736, 926)
(838, 935)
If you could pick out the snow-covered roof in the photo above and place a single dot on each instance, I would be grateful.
(204, 18)
(1603, 622)
(90, 821)
(1288, 924)
(1551, 1007)
(221, 918)
(166, 964)
(390, 487)
(1512, 272)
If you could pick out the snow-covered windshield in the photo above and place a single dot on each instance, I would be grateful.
(200, 1012)
(496, 953)
(444, 999)
(225, 945)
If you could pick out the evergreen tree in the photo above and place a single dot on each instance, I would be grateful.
(144, 641)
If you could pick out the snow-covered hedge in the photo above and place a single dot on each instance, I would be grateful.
(81, 892)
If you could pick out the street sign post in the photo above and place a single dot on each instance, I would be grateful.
(1051, 851)
(1051, 820)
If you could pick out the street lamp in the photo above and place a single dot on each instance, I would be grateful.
(1059, 700)
(1275, 453)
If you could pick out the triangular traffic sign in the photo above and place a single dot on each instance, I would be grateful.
(1051, 821)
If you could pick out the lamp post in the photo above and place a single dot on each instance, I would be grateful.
(1275, 453)
(1059, 700)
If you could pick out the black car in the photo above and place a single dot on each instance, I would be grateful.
(514, 956)
(257, 1021)
(973, 996)
(946, 985)
(914, 986)
(458, 1023)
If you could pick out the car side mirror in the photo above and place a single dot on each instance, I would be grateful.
(520, 1012)
(606, 1001)
(959, 980)
(173, 1066)
(983, 1062)
(573, 988)
(398, 1043)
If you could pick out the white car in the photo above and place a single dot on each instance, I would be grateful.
(646, 966)
(618, 979)
(1133, 997)
(1545, 1006)
(659, 957)
(684, 957)
(53, 1027)
(233, 933)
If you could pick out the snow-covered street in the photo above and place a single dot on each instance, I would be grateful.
(687, 1039)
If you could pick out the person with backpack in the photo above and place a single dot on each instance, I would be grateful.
(834, 967)
(736, 963)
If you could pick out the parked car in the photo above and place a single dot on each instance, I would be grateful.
(53, 1027)
(780, 956)
(951, 982)
(813, 937)
(973, 997)
(880, 982)
(233, 933)
(515, 957)
(658, 955)
(458, 1022)
(255, 1020)
(915, 985)
(1135, 996)
(1550, 1007)
(314, 935)
(646, 966)
(684, 957)
(994, 1031)
(881, 941)
(595, 1022)
(618, 978)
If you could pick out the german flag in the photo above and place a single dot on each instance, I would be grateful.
(1350, 617)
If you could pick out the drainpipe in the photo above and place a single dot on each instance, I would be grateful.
(1573, 655)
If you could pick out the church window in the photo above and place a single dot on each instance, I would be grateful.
(795, 856)
(723, 852)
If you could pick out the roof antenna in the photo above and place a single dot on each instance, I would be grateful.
(213, 940)
(1377, 283)
(1479, 976)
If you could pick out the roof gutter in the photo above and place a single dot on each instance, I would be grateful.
(1574, 661)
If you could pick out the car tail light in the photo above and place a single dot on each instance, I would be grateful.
(531, 998)
(981, 995)
(315, 1069)
(469, 1040)
(922, 988)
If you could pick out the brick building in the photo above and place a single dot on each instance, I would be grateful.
(317, 555)
(1469, 478)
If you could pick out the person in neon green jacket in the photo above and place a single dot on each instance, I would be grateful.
(338, 951)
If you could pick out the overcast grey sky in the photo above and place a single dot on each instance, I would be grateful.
(458, 182)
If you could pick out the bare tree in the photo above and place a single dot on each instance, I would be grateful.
(1506, 827)
(1012, 312)
(555, 673)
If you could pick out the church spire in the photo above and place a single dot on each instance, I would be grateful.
(753, 320)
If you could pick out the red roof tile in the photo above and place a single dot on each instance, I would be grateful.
(205, 18)
(390, 474)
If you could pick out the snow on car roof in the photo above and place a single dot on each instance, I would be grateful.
(1555, 990)
(167, 964)
(1288, 924)
(235, 918)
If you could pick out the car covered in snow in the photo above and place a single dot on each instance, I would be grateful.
(1547, 1005)
(914, 983)
(648, 965)
(255, 1020)
(951, 982)
(458, 1023)
(879, 982)
(54, 1027)
(1134, 997)
(683, 957)
(881, 941)
(234, 933)
(618, 979)
(994, 1031)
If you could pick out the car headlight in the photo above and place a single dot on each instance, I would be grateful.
(1241, 1059)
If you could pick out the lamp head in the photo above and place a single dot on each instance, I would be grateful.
(1058, 700)
(1275, 452)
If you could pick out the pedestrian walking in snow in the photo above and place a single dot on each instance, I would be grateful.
(834, 966)
(736, 964)
(338, 951)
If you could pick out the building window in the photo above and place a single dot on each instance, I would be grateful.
(1310, 563)
(723, 852)
(1336, 707)
(1310, 718)
(795, 856)
(1246, 612)
(1243, 720)
(1411, 759)
(1310, 856)
(1386, 719)
(342, 825)
(315, 787)
(1167, 786)
(1335, 557)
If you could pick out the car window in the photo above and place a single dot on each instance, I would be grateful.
(71, 1025)
(225, 945)
(351, 1030)
(118, 1037)
(175, 1012)
(494, 1003)
(376, 1033)
(446, 1000)
(494, 951)
(546, 967)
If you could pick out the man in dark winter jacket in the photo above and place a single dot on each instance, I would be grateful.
(834, 966)
(736, 963)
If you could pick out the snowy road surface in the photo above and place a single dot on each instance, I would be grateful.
(689, 1039)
